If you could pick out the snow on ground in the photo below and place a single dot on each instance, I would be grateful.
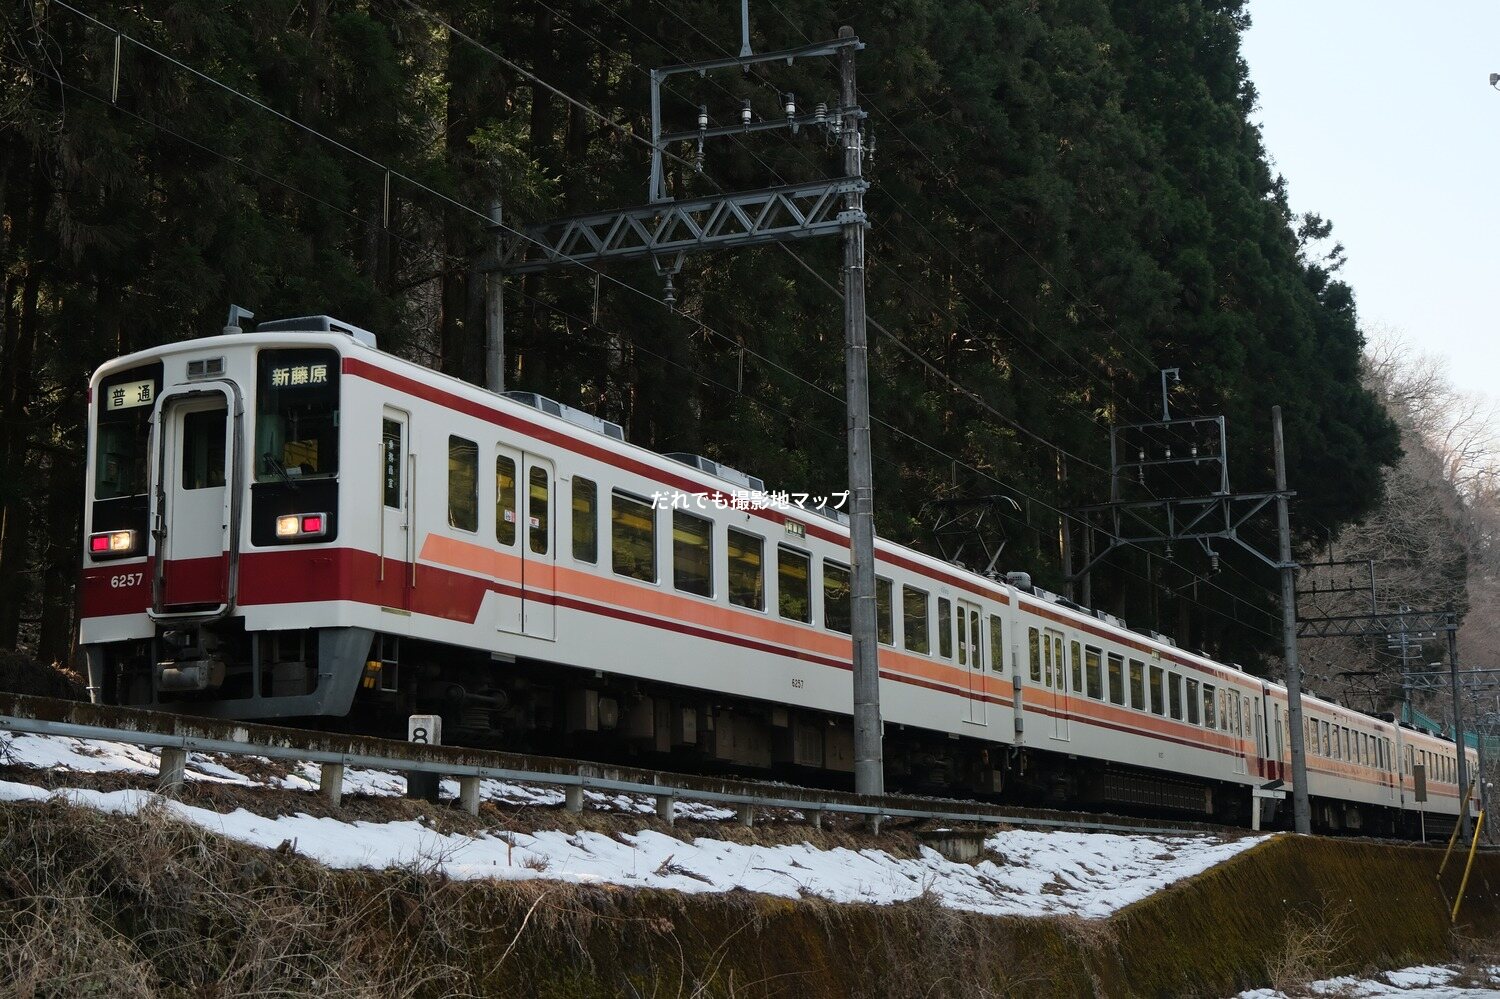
(1420, 982)
(1021, 872)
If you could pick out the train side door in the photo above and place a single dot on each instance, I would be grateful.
(196, 475)
(539, 558)
(397, 562)
(511, 540)
(971, 656)
(1055, 673)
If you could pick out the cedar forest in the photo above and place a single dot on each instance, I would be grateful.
(1066, 197)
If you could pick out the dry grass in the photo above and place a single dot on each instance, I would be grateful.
(1312, 942)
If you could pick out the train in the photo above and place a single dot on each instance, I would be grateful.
(291, 524)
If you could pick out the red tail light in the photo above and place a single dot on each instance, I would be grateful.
(107, 544)
(302, 525)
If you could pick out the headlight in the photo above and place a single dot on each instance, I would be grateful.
(112, 543)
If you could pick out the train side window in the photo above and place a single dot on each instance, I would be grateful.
(945, 628)
(794, 585)
(1174, 695)
(1091, 672)
(1327, 743)
(692, 553)
(885, 614)
(914, 616)
(1223, 712)
(538, 510)
(997, 645)
(632, 537)
(1138, 685)
(1157, 705)
(1192, 701)
(1116, 678)
(1209, 721)
(463, 484)
(585, 520)
(505, 500)
(1077, 651)
(1034, 645)
(836, 597)
(747, 578)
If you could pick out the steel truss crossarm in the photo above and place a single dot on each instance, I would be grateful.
(694, 225)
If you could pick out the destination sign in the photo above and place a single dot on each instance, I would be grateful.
(130, 395)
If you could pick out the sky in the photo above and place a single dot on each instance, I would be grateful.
(1380, 116)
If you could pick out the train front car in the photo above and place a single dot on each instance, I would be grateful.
(211, 517)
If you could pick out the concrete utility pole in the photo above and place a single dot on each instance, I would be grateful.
(1458, 730)
(1301, 810)
(869, 772)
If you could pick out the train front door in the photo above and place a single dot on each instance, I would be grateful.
(397, 562)
(195, 481)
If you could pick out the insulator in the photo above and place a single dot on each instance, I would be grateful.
(745, 112)
(790, 105)
(1195, 450)
(1169, 453)
(1213, 561)
(1143, 454)
(702, 117)
(821, 114)
(1169, 552)
(870, 147)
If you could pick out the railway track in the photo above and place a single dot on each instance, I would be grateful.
(177, 735)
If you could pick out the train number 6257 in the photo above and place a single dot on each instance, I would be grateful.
(125, 580)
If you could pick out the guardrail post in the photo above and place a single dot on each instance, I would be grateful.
(173, 769)
(468, 794)
(746, 816)
(666, 808)
(574, 800)
(817, 819)
(875, 821)
(331, 783)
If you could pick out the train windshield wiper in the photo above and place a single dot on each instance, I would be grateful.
(279, 469)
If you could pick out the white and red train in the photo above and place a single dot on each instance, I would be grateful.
(292, 524)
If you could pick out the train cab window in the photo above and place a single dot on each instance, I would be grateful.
(538, 510)
(1192, 701)
(836, 613)
(122, 431)
(1116, 679)
(1174, 695)
(794, 585)
(203, 448)
(463, 484)
(997, 645)
(585, 520)
(1077, 651)
(885, 614)
(1157, 701)
(1209, 720)
(1034, 646)
(747, 575)
(1138, 685)
(632, 538)
(914, 620)
(297, 415)
(692, 553)
(506, 511)
(945, 628)
(1091, 672)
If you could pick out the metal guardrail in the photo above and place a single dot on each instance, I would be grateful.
(44, 716)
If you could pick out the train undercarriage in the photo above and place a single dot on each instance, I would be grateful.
(489, 701)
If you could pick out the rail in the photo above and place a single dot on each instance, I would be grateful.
(178, 735)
